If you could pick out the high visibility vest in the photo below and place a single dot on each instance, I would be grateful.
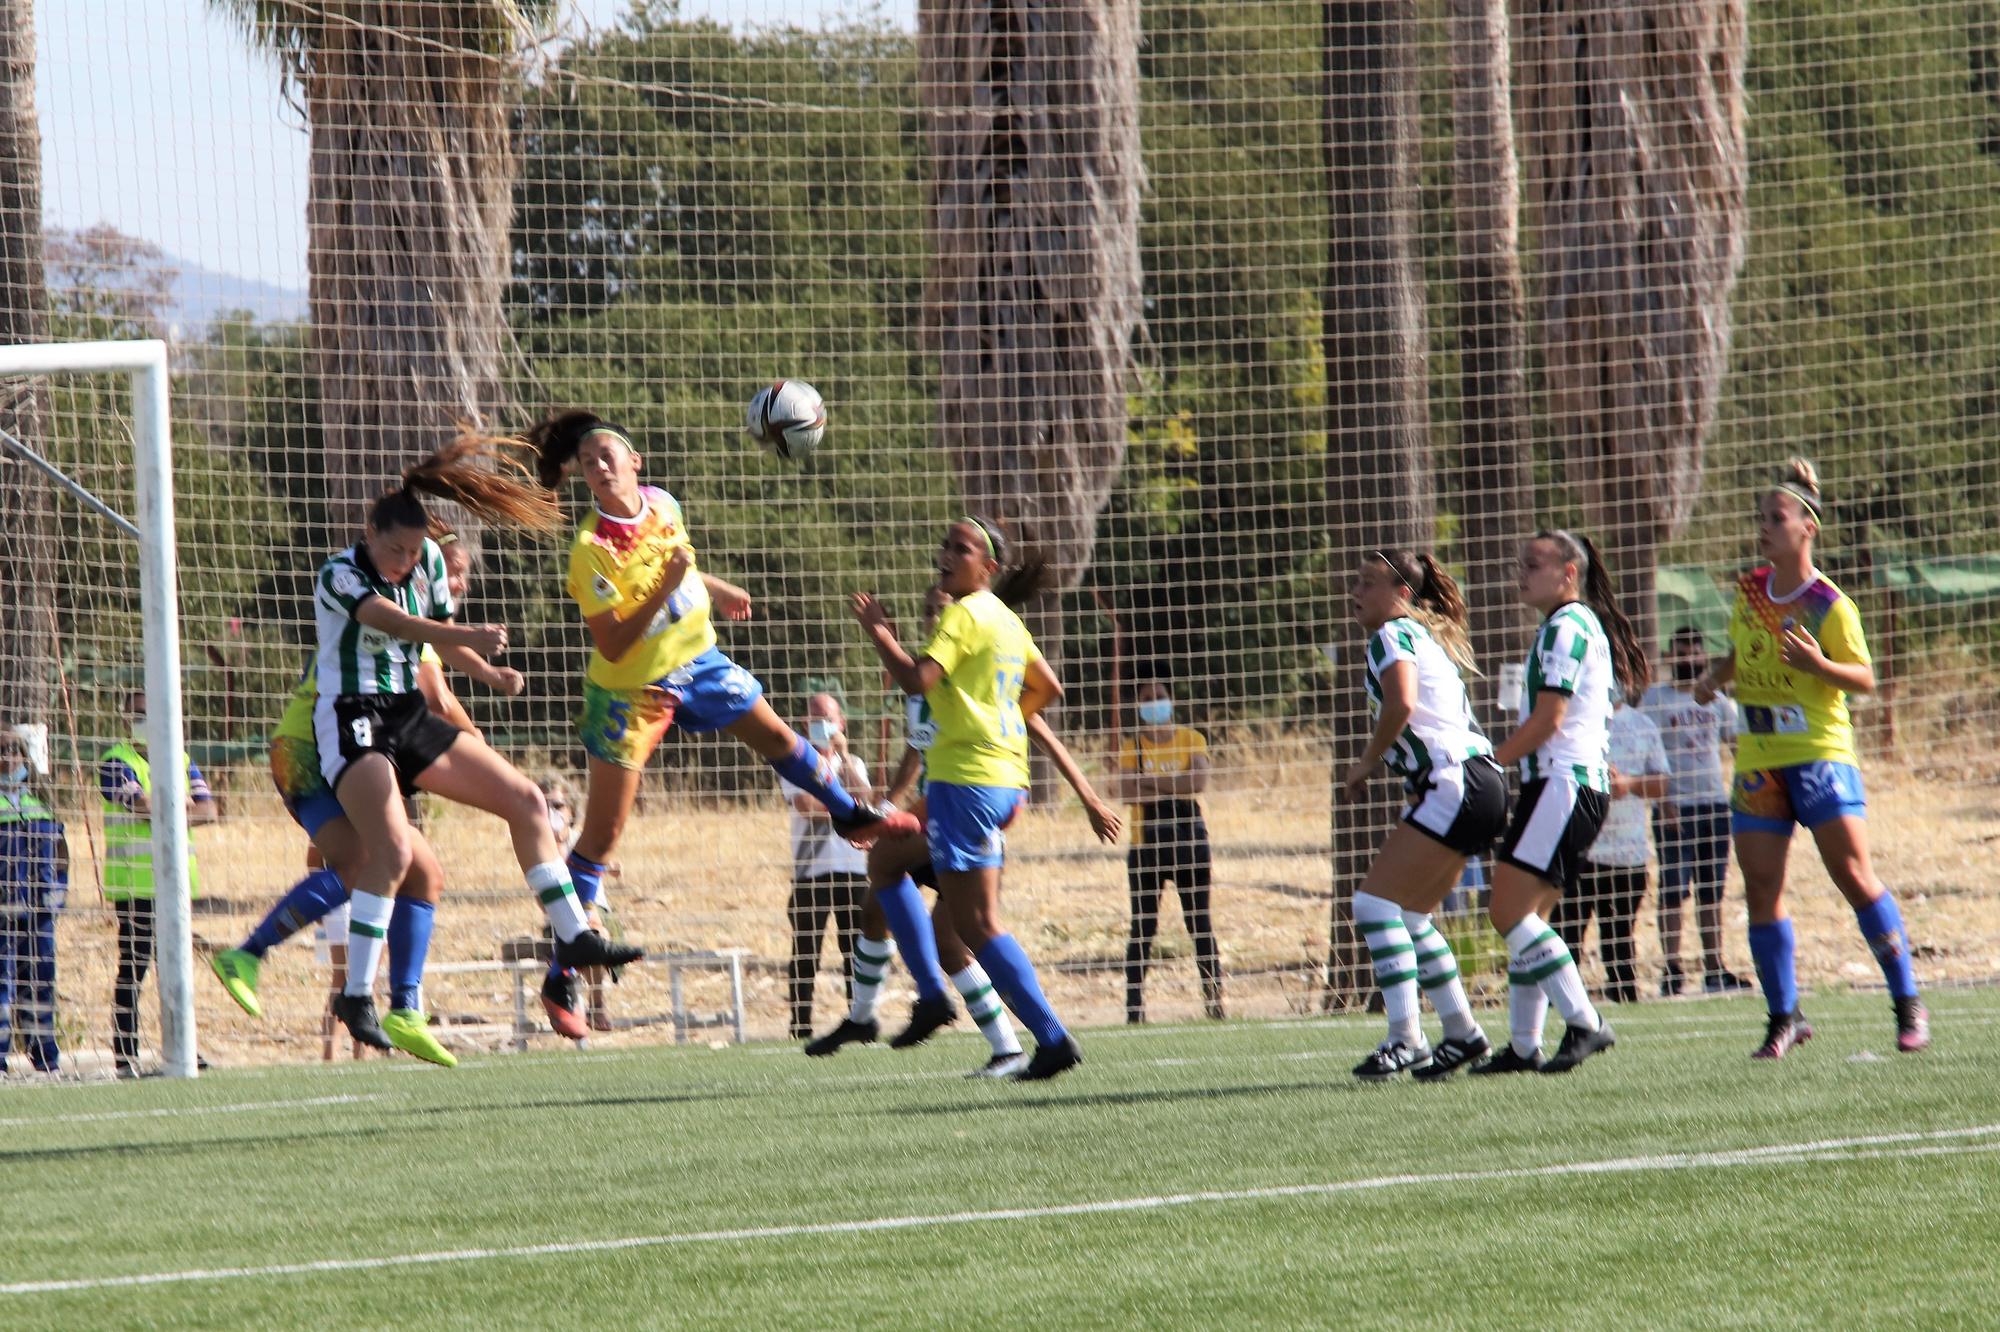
(128, 837)
(29, 809)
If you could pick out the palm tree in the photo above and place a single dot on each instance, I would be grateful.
(27, 512)
(1379, 461)
(1034, 292)
(408, 205)
(1633, 126)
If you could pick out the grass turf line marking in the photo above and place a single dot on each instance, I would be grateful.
(1872, 1147)
(189, 1111)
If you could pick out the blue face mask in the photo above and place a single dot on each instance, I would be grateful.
(822, 731)
(15, 776)
(1156, 711)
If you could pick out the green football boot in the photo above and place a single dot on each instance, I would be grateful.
(409, 1031)
(237, 970)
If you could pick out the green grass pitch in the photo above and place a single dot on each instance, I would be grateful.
(1196, 1175)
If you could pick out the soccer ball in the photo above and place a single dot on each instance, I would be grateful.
(788, 418)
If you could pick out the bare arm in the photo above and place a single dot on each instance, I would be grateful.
(1716, 678)
(379, 613)
(613, 634)
(729, 600)
(905, 781)
(1801, 653)
(913, 677)
(1399, 688)
(1039, 689)
(1104, 819)
(1550, 707)
(439, 698)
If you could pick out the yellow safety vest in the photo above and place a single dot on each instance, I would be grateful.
(128, 837)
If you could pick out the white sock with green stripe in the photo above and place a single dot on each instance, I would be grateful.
(1381, 924)
(1437, 976)
(367, 935)
(976, 988)
(550, 883)
(1537, 953)
(867, 973)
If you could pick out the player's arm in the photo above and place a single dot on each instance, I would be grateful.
(1039, 686)
(439, 698)
(482, 639)
(1712, 681)
(1551, 705)
(729, 600)
(913, 677)
(614, 632)
(904, 783)
(1104, 819)
(1802, 653)
(1399, 693)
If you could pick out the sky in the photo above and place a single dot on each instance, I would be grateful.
(159, 118)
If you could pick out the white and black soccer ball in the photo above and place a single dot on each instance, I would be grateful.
(788, 418)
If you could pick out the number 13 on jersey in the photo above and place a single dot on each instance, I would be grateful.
(1008, 696)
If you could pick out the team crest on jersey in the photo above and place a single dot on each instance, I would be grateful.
(602, 588)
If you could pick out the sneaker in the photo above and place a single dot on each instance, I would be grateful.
(1050, 1060)
(1785, 1031)
(1001, 1066)
(871, 822)
(1508, 1061)
(1913, 1025)
(559, 990)
(849, 1032)
(237, 970)
(1451, 1054)
(1672, 981)
(1389, 1058)
(357, 1013)
(410, 1031)
(592, 949)
(1578, 1046)
(927, 1016)
(1724, 982)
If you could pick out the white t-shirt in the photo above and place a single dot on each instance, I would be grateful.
(1572, 655)
(1626, 837)
(817, 850)
(1695, 736)
(1441, 730)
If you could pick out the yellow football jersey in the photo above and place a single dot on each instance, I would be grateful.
(615, 564)
(1789, 716)
(982, 739)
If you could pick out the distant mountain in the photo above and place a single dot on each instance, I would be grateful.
(200, 294)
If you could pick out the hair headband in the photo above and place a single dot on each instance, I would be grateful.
(979, 527)
(1395, 569)
(1797, 493)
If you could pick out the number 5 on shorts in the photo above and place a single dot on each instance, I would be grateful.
(618, 720)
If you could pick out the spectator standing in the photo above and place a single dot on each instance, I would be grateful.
(34, 880)
(829, 875)
(1613, 879)
(1692, 826)
(125, 781)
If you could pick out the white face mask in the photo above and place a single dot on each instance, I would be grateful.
(822, 731)
(139, 730)
(1156, 711)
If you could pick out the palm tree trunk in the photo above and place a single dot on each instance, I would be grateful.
(1034, 291)
(27, 504)
(1496, 466)
(1379, 472)
(1633, 121)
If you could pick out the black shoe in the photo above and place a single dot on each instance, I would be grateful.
(1913, 1025)
(592, 949)
(1001, 1066)
(1781, 1033)
(1724, 982)
(357, 1013)
(1578, 1046)
(1450, 1055)
(849, 1032)
(871, 822)
(1049, 1060)
(1507, 1061)
(1672, 981)
(1389, 1058)
(927, 1016)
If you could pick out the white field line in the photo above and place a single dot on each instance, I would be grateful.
(187, 1111)
(1938, 1142)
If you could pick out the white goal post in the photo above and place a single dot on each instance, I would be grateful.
(159, 600)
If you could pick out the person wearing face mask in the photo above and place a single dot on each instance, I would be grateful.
(1162, 771)
(34, 880)
(1692, 825)
(829, 874)
(125, 783)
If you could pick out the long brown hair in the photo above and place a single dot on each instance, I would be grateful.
(1435, 602)
(482, 474)
(557, 437)
(1628, 656)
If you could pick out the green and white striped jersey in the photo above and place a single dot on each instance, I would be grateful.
(354, 659)
(1441, 729)
(1572, 655)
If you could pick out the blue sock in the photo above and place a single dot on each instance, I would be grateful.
(1014, 976)
(1882, 926)
(911, 924)
(306, 904)
(807, 770)
(1772, 946)
(409, 948)
(587, 875)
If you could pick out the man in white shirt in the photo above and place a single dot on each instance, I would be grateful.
(829, 876)
(1614, 868)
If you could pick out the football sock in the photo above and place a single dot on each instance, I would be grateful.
(867, 972)
(1014, 976)
(1538, 952)
(1771, 947)
(976, 988)
(551, 884)
(911, 924)
(1882, 926)
(1437, 974)
(367, 930)
(810, 771)
(307, 901)
(409, 947)
(1388, 940)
